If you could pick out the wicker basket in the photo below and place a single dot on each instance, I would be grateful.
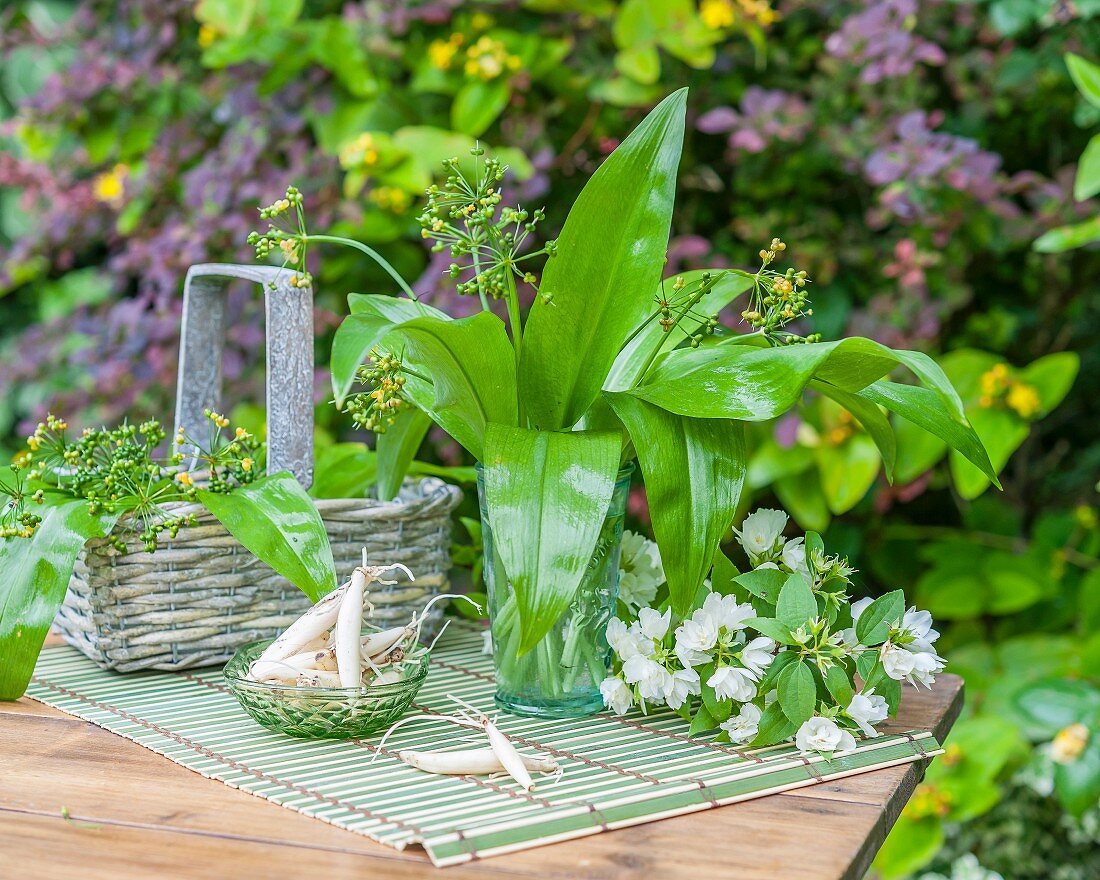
(202, 595)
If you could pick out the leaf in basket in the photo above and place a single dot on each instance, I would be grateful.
(277, 521)
(36, 572)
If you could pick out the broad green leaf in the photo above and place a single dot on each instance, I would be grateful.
(397, 447)
(773, 629)
(763, 582)
(754, 384)
(547, 495)
(873, 625)
(723, 577)
(277, 522)
(36, 574)
(642, 64)
(702, 722)
(397, 309)
(918, 451)
(873, 420)
(472, 366)
(771, 674)
(870, 669)
(478, 104)
(1051, 704)
(343, 470)
(631, 360)
(839, 685)
(796, 604)
(1001, 433)
(847, 471)
(1086, 76)
(1067, 238)
(926, 410)
(774, 726)
(610, 254)
(1087, 183)
(1052, 376)
(694, 470)
(802, 498)
(797, 692)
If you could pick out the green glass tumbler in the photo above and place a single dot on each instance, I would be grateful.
(560, 676)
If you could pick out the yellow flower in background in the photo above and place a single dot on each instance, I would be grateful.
(207, 36)
(481, 21)
(997, 387)
(760, 10)
(361, 152)
(1069, 743)
(441, 53)
(110, 186)
(390, 198)
(993, 384)
(184, 478)
(717, 13)
(488, 59)
(1024, 400)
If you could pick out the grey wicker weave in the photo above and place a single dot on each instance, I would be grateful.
(202, 595)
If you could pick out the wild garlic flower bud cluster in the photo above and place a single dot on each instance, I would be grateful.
(464, 217)
(377, 409)
(285, 235)
(118, 473)
(777, 299)
(676, 306)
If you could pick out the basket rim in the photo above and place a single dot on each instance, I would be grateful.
(430, 490)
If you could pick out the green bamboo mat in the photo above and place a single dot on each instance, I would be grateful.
(618, 771)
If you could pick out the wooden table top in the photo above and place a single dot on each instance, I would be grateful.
(80, 803)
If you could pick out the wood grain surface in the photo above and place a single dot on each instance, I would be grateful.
(79, 803)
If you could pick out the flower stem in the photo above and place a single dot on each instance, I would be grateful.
(370, 252)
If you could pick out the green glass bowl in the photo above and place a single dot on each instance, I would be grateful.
(318, 712)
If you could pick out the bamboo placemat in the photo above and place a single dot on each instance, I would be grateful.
(618, 771)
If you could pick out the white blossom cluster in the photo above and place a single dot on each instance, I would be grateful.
(909, 654)
(664, 662)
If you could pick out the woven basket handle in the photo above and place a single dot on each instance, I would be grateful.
(289, 313)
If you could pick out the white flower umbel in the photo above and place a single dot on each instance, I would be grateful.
(640, 570)
(726, 612)
(651, 677)
(794, 556)
(685, 683)
(733, 683)
(617, 695)
(743, 726)
(625, 641)
(652, 624)
(696, 638)
(917, 625)
(901, 664)
(823, 735)
(761, 534)
(867, 709)
(758, 655)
